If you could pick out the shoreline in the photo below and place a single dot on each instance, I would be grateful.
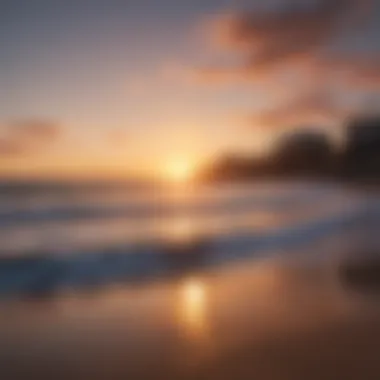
(274, 319)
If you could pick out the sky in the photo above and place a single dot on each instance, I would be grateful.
(107, 86)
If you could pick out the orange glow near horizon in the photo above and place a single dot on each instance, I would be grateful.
(179, 171)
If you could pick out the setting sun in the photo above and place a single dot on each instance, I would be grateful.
(179, 171)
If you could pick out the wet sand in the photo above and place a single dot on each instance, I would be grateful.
(291, 318)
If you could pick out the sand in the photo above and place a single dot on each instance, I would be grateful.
(292, 318)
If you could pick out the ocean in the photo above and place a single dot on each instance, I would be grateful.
(57, 238)
(172, 282)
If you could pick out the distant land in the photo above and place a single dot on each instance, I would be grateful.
(307, 153)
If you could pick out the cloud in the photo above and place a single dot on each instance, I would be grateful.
(268, 40)
(290, 38)
(118, 138)
(315, 107)
(293, 50)
(8, 147)
(27, 136)
(356, 71)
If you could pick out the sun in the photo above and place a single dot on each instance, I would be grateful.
(179, 171)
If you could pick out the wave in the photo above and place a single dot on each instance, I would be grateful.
(154, 206)
(45, 273)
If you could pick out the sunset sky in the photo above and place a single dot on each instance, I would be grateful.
(104, 86)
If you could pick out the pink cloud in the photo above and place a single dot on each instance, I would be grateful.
(27, 136)
(315, 107)
(290, 42)
(266, 40)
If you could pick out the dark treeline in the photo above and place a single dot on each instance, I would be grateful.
(310, 154)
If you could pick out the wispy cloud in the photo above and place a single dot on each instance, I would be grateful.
(315, 107)
(117, 138)
(27, 136)
(290, 35)
(293, 41)
(356, 71)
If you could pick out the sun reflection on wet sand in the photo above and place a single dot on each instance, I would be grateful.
(272, 319)
(193, 307)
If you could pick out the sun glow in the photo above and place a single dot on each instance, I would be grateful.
(193, 306)
(179, 171)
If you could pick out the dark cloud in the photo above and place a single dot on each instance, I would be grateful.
(27, 136)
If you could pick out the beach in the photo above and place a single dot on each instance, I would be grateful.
(293, 295)
(272, 319)
(189, 190)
